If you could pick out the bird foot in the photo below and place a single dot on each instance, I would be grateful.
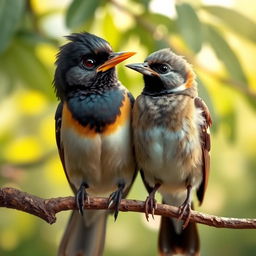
(150, 203)
(150, 206)
(185, 209)
(81, 197)
(115, 199)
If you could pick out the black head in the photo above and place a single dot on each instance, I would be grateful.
(87, 62)
(164, 71)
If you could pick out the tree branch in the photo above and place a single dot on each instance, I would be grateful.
(46, 209)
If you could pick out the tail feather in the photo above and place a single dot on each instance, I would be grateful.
(172, 243)
(83, 238)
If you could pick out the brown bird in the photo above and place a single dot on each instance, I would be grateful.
(94, 136)
(172, 144)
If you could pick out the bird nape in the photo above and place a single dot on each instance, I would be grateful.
(93, 135)
(172, 144)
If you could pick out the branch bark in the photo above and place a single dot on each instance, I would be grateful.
(46, 209)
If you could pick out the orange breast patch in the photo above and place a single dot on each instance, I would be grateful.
(69, 122)
(125, 110)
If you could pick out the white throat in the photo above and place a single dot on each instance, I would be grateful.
(179, 88)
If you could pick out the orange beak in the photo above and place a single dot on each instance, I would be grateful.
(115, 58)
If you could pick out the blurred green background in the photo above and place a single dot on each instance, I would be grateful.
(217, 37)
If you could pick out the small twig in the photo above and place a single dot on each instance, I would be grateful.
(46, 209)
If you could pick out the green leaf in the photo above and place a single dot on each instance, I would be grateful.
(159, 19)
(236, 21)
(144, 37)
(189, 26)
(145, 3)
(33, 39)
(10, 15)
(204, 94)
(21, 63)
(230, 120)
(225, 53)
(80, 12)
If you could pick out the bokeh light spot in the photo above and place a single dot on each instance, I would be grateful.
(32, 102)
(23, 149)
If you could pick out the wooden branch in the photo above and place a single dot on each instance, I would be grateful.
(46, 209)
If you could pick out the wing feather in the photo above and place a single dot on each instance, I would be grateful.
(58, 121)
(205, 145)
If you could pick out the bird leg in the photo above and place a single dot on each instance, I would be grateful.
(82, 195)
(115, 199)
(185, 208)
(150, 203)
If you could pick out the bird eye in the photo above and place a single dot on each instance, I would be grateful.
(89, 62)
(163, 68)
(160, 68)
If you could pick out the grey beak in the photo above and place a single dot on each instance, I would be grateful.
(142, 68)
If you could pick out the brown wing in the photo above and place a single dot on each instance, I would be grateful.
(58, 119)
(205, 145)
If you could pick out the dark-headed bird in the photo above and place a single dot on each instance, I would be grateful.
(93, 134)
(172, 144)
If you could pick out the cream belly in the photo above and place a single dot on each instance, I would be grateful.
(100, 161)
(170, 157)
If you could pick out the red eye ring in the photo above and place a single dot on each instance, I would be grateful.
(89, 62)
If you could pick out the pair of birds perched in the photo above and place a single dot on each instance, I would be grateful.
(104, 136)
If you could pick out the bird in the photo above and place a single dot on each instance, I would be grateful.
(93, 136)
(172, 145)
